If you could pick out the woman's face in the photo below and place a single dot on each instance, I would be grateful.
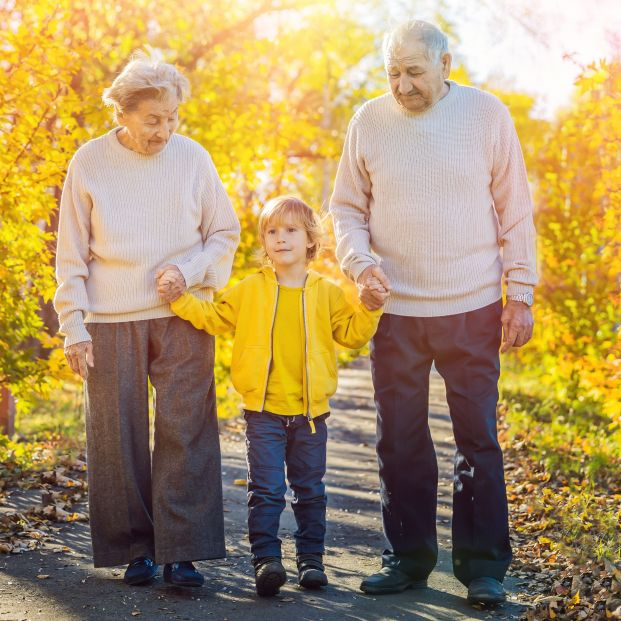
(148, 127)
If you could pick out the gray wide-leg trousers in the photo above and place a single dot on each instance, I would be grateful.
(166, 504)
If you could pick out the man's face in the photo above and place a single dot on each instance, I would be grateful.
(150, 125)
(416, 82)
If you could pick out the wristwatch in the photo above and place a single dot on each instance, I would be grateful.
(525, 298)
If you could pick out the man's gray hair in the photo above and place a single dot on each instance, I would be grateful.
(145, 77)
(435, 41)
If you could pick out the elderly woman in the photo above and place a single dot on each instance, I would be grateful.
(137, 201)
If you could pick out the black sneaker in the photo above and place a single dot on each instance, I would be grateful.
(269, 576)
(140, 571)
(311, 574)
(183, 573)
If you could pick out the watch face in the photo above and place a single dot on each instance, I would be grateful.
(528, 298)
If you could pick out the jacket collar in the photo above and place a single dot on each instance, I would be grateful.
(312, 279)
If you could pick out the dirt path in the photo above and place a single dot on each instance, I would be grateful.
(74, 591)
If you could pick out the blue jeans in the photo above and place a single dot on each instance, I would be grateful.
(272, 441)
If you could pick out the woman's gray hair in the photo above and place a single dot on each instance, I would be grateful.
(143, 78)
(435, 41)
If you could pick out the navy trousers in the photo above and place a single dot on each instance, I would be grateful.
(273, 441)
(465, 350)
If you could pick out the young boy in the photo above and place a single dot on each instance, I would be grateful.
(285, 319)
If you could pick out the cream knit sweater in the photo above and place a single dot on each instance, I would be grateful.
(124, 215)
(439, 199)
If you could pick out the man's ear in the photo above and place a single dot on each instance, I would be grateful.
(446, 64)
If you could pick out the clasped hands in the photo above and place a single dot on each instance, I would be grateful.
(374, 287)
(170, 283)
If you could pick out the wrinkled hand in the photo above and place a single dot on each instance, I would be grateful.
(80, 357)
(517, 325)
(374, 287)
(170, 283)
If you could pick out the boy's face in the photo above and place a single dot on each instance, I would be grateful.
(286, 243)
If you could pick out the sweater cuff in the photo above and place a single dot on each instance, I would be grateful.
(515, 288)
(358, 267)
(372, 313)
(180, 303)
(74, 329)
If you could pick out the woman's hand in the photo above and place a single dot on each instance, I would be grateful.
(170, 283)
(80, 357)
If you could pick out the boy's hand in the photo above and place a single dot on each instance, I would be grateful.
(170, 283)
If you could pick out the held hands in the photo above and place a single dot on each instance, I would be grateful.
(517, 325)
(170, 283)
(80, 357)
(374, 287)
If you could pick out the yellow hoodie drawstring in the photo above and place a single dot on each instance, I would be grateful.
(312, 425)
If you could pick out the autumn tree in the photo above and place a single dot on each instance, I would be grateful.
(577, 343)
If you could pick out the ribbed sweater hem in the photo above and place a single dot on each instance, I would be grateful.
(441, 308)
(150, 313)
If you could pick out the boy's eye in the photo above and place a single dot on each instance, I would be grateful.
(291, 229)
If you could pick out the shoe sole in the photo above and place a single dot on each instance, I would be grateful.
(487, 600)
(390, 590)
(270, 583)
(183, 583)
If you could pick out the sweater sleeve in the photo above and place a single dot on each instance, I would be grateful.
(513, 205)
(349, 207)
(72, 256)
(220, 229)
(212, 317)
(352, 326)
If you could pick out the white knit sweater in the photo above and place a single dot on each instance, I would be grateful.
(123, 215)
(434, 197)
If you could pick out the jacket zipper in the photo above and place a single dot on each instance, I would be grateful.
(308, 392)
(269, 361)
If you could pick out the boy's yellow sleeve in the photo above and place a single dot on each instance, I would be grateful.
(352, 326)
(213, 317)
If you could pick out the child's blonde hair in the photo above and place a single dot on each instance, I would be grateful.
(280, 208)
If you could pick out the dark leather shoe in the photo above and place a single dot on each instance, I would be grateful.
(486, 590)
(183, 573)
(140, 571)
(390, 580)
(269, 576)
(311, 574)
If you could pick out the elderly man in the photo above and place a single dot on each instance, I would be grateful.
(138, 201)
(431, 198)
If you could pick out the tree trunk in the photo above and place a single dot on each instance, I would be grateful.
(7, 412)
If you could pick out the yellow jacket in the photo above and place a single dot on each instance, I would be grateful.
(249, 309)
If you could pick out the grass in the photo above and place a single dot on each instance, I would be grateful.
(581, 452)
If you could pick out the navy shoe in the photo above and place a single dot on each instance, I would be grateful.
(486, 590)
(390, 580)
(269, 576)
(311, 574)
(183, 573)
(140, 571)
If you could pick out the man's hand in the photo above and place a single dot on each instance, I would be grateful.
(375, 287)
(517, 325)
(80, 357)
(170, 283)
